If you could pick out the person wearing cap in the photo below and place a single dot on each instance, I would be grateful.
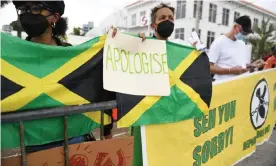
(42, 22)
(227, 55)
(271, 61)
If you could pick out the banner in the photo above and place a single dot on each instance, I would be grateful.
(242, 115)
(37, 76)
(112, 152)
(135, 67)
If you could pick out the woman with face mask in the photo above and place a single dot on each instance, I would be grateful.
(42, 22)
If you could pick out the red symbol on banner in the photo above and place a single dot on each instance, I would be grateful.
(78, 160)
(102, 160)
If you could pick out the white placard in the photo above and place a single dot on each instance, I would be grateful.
(134, 67)
(199, 45)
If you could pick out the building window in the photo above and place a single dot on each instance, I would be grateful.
(142, 13)
(180, 9)
(212, 13)
(210, 38)
(133, 19)
(236, 15)
(198, 33)
(225, 17)
(179, 33)
(195, 9)
(256, 22)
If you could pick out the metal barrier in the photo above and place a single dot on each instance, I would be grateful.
(21, 116)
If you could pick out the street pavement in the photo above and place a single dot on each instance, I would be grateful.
(265, 154)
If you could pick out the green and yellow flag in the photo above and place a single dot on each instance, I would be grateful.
(191, 91)
(37, 76)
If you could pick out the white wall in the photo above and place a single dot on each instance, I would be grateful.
(188, 23)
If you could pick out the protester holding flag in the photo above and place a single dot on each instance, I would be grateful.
(42, 22)
(162, 18)
(162, 22)
(226, 55)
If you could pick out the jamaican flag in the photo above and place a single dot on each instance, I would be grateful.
(37, 76)
(191, 91)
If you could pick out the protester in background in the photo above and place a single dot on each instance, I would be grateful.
(256, 65)
(225, 55)
(42, 22)
(268, 55)
(271, 62)
(162, 18)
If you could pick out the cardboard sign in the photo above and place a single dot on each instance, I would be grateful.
(134, 67)
(113, 152)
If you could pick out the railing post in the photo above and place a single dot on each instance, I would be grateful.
(102, 125)
(22, 144)
(66, 149)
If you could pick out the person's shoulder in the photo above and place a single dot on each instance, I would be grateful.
(62, 43)
(217, 43)
(240, 42)
(271, 59)
(220, 40)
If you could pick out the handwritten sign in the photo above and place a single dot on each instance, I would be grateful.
(113, 152)
(134, 67)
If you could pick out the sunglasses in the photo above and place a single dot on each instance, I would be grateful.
(34, 9)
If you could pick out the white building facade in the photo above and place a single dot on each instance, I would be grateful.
(217, 17)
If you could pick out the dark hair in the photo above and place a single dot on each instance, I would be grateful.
(61, 27)
(156, 8)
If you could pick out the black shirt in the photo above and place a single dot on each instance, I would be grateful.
(58, 41)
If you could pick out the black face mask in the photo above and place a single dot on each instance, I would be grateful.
(33, 24)
(165, 28)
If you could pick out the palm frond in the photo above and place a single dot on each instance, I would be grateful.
(264, 38)
(4, 3)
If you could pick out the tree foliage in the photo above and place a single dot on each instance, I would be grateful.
(4, 3)
(264, 38)
(76, 31)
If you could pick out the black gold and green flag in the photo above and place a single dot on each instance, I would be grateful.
(191, 92)
(37, 76)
